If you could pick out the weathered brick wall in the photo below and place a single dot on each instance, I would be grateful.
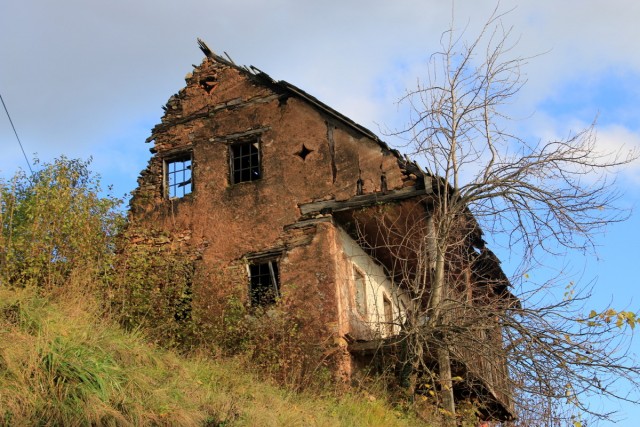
(226, 222)
(308, 154)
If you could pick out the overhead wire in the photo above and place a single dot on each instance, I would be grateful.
(16, 133)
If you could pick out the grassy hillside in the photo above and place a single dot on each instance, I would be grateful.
(61, 363)
(66, 358)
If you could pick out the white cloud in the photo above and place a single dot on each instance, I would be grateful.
(84, 77)
(613, 142)
(75, 73)
(618, 139)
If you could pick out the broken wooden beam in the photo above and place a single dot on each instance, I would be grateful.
(361, 201)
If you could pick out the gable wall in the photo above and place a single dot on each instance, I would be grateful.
(254, 213)
(221, 223)
(224, 222)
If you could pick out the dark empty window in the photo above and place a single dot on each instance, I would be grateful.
(178, 176)
(245, 161)
(264, 282)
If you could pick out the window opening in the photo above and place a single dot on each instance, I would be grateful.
(264, 282)
(209, 83)
(183, 306)
(388, 315)
(245, 161)
(361, 291)
(178, 176)
(304, 152)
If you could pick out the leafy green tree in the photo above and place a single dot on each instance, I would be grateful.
(56, 222)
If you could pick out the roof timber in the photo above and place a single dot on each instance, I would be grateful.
(486, 262)
(362, 201)
(292, 90)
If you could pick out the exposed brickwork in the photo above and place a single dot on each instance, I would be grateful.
(309, 155)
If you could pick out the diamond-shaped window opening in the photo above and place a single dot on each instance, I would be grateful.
(304, 152)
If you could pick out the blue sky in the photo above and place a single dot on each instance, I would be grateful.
(85, 78)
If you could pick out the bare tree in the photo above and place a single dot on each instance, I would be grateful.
(537, 198)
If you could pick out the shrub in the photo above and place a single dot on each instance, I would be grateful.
(152, 288)
(54, 222)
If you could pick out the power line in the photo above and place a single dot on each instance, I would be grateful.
(16, 133)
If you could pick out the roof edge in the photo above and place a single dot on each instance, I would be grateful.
(293, 90)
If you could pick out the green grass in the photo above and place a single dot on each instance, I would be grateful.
(61, 363)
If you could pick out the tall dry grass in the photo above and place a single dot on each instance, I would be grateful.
(63, 363)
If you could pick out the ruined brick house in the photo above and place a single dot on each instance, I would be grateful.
(279, 194)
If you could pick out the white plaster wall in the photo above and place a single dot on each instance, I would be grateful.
(378, 285)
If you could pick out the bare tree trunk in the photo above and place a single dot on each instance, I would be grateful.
(436, 319)
(416, 361)
(446, 384)
(534, 198)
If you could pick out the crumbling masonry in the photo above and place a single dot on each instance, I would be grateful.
(263, 183)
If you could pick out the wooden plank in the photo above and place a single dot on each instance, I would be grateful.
(307, 223)
(240, 135)
(361, 201)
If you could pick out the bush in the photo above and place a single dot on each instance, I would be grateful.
(152, 288)
(56, 222)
